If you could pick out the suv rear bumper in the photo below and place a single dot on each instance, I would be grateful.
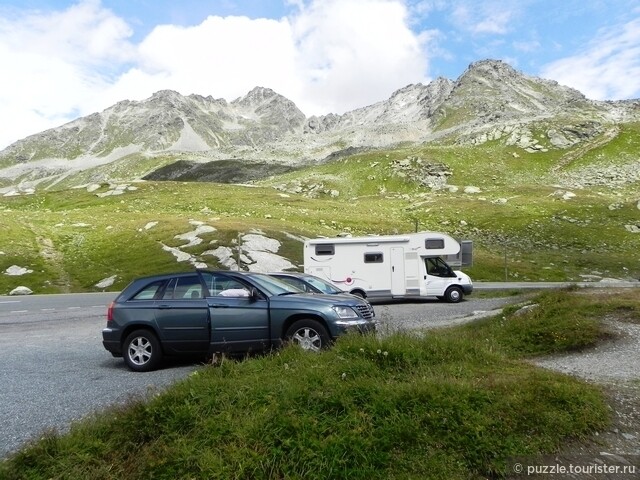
(111, 341)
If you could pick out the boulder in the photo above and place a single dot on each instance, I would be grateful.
(21, 290)
(106, 282)
(15, 270)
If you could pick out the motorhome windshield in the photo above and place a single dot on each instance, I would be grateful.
(438, 267)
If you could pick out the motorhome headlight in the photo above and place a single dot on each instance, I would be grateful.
(345, 312)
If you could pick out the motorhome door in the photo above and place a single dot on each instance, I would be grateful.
(397, 271)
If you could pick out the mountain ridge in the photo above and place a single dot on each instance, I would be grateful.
(489, 101)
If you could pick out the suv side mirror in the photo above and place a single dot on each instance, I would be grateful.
(254, 294)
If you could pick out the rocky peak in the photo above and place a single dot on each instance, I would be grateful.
(256, 97)
(492, 91)
(272, 108)
(496, 69)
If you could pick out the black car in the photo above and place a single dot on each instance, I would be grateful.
(205, 312)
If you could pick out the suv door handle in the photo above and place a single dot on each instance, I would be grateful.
(219, 305)
(164, 307)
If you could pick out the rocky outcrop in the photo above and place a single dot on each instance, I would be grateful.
(425, 173)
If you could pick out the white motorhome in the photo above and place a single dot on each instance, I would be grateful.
(390, 266)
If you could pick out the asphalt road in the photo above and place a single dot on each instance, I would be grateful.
(55, 370)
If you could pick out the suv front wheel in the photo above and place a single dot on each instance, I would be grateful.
(142, 352)
(309, 335)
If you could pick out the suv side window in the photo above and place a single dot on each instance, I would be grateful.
(183, 288)
(168, 291)
(221, 285)
(188, 288)
(149, 292)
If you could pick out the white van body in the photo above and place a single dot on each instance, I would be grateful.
(389, 266)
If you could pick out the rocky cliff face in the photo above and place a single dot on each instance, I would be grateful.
(489, 101)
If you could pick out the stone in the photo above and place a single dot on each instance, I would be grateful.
(15, 270)
(106, 282)
(21, 290)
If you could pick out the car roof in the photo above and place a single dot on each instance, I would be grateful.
(189, 273)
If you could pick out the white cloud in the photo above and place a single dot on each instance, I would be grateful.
(487, 18)
(608, 68)
(55, 64)
(529, 46)
(329, 56)
(352, 53)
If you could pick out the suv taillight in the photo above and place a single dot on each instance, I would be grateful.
(110, 312)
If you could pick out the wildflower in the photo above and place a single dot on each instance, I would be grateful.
(362, 350)
(385, 353)
(286, 366)
(344, 375)
(379, 351)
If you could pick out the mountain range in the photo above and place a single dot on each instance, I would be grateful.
(171, 136)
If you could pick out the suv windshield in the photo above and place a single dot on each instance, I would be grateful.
(273, 286)
(324, 287)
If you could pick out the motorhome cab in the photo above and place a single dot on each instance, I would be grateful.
(390, 266)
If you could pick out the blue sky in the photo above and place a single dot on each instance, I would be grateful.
(65, 59)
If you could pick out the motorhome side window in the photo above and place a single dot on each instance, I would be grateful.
(325, 249)
(434, 243)
(373, 257)
(438, 268)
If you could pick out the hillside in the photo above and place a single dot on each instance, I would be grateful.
(544, 181)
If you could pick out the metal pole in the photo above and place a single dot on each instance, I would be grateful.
(239, 249)
(506, 271)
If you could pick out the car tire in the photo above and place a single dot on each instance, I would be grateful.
(453, 295)
(309, 335)
(141, 351)
(359, 293)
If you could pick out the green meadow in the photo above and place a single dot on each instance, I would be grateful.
(521, 226)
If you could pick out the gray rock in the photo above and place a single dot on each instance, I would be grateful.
(15, 270)
(21, 290)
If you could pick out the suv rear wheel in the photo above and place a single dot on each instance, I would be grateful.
(309, 335)
(142, 352)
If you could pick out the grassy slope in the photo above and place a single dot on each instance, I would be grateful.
(458, 403)
(545, 237)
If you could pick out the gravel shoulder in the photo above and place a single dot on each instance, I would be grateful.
(614, 365)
